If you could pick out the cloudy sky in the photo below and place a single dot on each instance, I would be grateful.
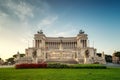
(21, 19)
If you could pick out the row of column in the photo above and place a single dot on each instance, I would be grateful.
(65, 45)
(37, 43)
(56, 45)
(84, 43)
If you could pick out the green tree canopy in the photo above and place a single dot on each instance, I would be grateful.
(10, 60)
(21, 55)
(117, 54)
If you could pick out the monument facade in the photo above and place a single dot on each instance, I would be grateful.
(61, 49)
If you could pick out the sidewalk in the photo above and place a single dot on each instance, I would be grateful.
(112, 65)
(6, 66)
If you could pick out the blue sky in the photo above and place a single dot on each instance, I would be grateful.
(21, 19)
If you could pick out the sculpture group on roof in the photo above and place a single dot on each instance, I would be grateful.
(81, 32)
(40, 32)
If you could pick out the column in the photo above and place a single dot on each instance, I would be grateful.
(83, 43)
(51, 44)
(74, 45)
(68, 45)
(35, 43)
(48, 45)
(39, 46)
(71, 45)
(65, 45)
(55, 44)
(86, 42)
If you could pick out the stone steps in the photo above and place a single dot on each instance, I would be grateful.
(63, 61)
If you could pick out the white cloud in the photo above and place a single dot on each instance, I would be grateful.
(62, 34)
(16, 28)
(48, 21)
(13, 35)
(3, 14)
(3, 20)
(22, 10)
(65, 33)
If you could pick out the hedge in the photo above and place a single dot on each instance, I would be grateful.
(32, 65)
(59, 65)
(76, 66)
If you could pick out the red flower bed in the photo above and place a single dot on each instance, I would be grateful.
(32, 65)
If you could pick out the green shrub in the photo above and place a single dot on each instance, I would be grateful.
(57, 65)
(32, 65)
(76, 66)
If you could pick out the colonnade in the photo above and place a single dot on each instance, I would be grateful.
(84, 43)
(37, 43)
(56, 45)
(65, 45)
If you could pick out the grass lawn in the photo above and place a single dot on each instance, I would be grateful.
(59, 74)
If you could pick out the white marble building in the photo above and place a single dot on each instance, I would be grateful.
(61, 49)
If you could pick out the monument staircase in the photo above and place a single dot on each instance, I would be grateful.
(69, 61)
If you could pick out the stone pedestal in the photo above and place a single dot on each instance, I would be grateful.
(86, 61)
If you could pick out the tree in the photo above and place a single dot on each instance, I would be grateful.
(10, 60)
(108, 58)
(15, 56)
(117, 54)
(1, 61)
(21, 55)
